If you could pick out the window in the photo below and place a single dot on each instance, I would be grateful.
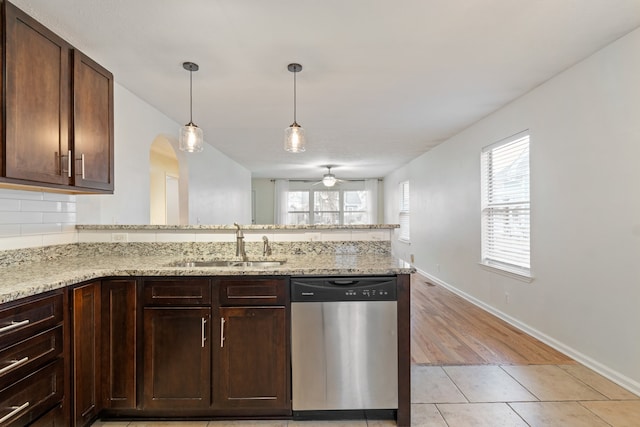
(298, 207)
(330, 207)
(404, 211)
(326, 207)
(506, 205)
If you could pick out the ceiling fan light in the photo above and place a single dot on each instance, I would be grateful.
(191, 138)
(294, 141)
(329, 180)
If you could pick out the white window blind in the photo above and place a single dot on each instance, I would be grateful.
(404, 211)
(506, 205)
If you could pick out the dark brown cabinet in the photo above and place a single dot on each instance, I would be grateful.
(37, 101)
(58, 111)
(251, 362)
(119, 339)
(250, 368)
(86, 350)
(176, 348)
(53, 418)
(31, 361)
(92, 124)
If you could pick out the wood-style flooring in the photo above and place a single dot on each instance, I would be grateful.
(448, 330)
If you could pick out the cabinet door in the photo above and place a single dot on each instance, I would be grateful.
(37, 108)
(119, 325)
(177, 358)
(92, 124)
(251, 360)
(86, 352)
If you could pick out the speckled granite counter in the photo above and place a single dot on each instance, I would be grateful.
(125, 227)
(31, 278)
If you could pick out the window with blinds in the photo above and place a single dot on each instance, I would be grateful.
(404, 211)
(506, 205)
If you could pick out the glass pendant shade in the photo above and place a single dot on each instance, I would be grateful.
(329, 180)
(191, 138)
(294, 141)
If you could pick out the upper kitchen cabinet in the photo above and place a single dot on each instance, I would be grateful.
(92, 124)
(57, 126)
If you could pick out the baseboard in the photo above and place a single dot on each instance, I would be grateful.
(605, 371)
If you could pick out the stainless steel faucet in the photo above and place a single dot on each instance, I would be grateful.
(266, 248)
(240, 243)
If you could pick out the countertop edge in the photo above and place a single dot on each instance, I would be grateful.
(146, 227)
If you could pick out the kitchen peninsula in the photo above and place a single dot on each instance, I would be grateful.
(125, 292)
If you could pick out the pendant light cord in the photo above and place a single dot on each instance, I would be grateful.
(191, 96)
(294, 96)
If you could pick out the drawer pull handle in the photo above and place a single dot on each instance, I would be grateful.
(14, 412)
(204, 336)
(14, 325)
(13, 364)
(222, 332)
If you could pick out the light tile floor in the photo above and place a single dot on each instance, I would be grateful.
(488, 396)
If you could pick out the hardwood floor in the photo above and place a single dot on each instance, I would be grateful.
(447, 330)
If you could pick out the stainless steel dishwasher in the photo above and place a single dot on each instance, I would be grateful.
(344, 343)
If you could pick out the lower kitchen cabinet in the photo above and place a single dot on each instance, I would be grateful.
(119, 339)
(177, 358)
(250, 361)
(53, 418)
(86, 348)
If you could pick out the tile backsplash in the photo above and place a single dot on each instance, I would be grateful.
(36, 218)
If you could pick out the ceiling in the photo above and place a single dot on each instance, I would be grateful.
(383, 81)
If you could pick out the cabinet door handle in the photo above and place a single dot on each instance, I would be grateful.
(204, 336)
(82, 164)
(14, 412)
(13, 364)
(14, 325)
(222, 332)
(69, 161)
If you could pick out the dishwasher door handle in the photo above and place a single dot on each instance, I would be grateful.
(344, 282)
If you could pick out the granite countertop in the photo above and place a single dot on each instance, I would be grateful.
(37, 277)
(204, 227)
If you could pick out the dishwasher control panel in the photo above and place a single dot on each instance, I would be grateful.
(356, 288)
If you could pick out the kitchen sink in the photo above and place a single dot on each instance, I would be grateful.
(227, 263)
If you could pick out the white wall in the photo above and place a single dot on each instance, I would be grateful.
(585, 151)
(210, 175)
(219, 189)
(392, 182)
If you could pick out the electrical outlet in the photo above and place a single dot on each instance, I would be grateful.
(413, 259)
(506, 297)
(119, 237)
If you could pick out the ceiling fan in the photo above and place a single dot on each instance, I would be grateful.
(329, 179)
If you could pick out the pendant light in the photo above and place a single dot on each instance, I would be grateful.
(294, 135)
(191, 137)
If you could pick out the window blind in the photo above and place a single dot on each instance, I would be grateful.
(506, 205)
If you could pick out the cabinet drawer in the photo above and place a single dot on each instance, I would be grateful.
(29, 398)
(23, 357)
(53, 418)
(177, 292)
(26, 319)
(259, 291)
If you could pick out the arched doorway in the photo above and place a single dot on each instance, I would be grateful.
(164, 183)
